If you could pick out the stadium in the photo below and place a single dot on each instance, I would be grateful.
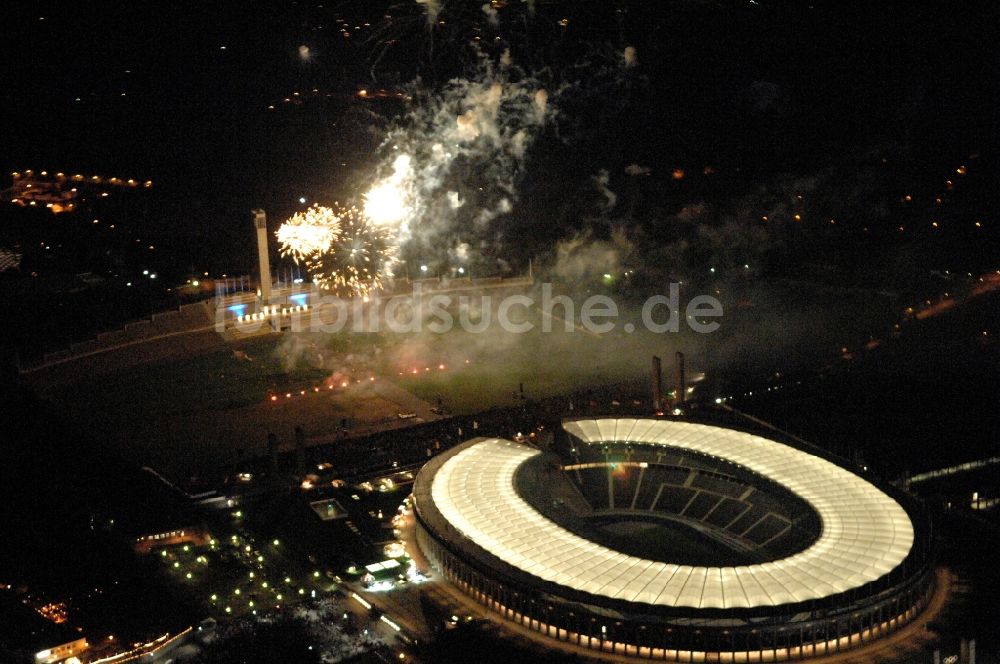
(672, 540)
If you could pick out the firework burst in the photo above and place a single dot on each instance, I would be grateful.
(359, 260)
(310, 233)
(387, 202)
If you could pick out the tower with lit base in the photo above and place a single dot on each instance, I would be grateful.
(263, 260)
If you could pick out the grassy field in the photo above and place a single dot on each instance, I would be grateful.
(214, 406)
(485, 383)
(237, 376)
(489, 368)
(190, 416)
(674, 542)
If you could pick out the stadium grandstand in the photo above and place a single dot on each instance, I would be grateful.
(670, 540)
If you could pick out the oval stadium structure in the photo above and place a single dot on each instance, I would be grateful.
(671, 540)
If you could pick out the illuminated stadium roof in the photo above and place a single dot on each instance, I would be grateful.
(865, 533)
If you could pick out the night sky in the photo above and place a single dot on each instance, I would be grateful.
(180, 94)
(793, 158)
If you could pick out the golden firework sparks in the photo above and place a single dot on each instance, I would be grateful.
(309, 233)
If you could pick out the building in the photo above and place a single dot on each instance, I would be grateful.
(25, 636)
(194, 534)
(670, 540)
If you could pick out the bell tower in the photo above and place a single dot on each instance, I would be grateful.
(263, 260)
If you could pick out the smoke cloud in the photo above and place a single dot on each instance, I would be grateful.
(453, 164)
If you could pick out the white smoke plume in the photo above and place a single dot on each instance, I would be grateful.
(433, 8)
(631, 59)
(453, 164)
(491, 14)
(583, 259)
(601, 181)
